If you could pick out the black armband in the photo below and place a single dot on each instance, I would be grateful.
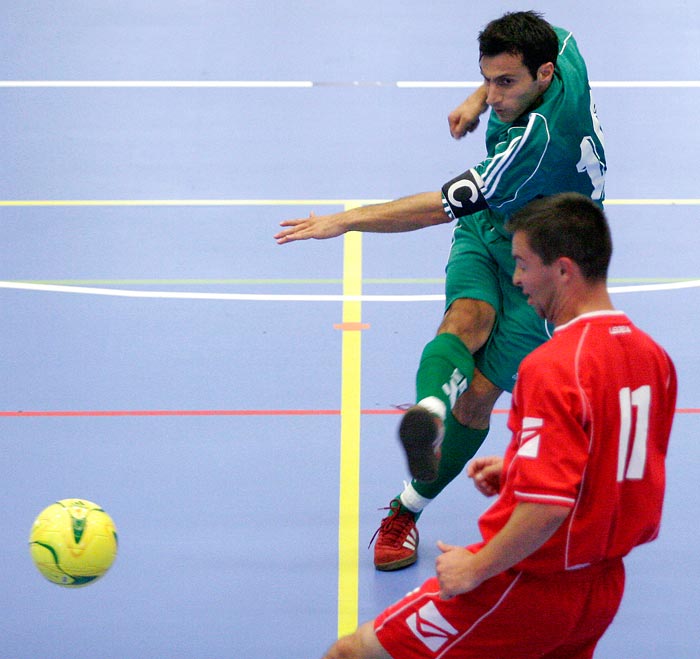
(463, 194)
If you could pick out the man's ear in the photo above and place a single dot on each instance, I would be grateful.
(566, 267)
(545, 72)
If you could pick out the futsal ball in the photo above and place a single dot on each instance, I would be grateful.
(73, 542)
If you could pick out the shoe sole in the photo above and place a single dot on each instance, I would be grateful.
(397, 565)
(417, 433)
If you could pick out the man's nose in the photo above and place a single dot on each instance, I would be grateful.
(492, 95)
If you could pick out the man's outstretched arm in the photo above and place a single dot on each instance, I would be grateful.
(405, 214)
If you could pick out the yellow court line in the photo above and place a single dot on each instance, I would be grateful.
(349, 496)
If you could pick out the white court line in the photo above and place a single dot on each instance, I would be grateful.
(609, 84)
(305, 84)
(250, 297)
(193, 202)
(168, 84)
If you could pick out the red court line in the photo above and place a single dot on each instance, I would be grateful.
(115, 413)
(78, 413)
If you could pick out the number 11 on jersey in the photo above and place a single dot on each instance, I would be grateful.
(631, 460)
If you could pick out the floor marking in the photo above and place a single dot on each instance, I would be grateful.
(646, 288)
(262, 282)
(608, 84)
(284, 202)
(351, 327)
(307, 84)
(349, 496)
(188, 202)
(346, 298)
(397, 281)
(169, 84)
(263, 413)
(116, 413)
(652, 202)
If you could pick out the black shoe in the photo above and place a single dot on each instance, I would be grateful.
(421, 434)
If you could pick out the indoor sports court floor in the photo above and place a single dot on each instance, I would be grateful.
(233, 403)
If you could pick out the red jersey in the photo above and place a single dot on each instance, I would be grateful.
(591, 416)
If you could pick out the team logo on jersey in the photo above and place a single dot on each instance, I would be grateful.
(430, 627)
(620, 329)
(530, 437)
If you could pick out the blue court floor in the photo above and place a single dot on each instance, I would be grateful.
(233, 403)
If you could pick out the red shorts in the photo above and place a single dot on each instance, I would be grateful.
(512, 616)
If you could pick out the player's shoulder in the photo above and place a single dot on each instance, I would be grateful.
(562, 33)
(568, 338)
(567, 40)
(550, 359)
(593, 331)
(571, 66)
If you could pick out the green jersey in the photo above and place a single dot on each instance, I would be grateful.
(556, 147)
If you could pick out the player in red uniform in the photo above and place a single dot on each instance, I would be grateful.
(581, 483)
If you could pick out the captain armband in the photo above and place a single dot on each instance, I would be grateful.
(462, 196)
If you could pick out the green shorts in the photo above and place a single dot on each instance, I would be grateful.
(481, 267)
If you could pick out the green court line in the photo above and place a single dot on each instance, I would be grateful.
(291, 282)
(174, 282)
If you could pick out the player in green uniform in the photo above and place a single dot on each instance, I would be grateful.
(542, 138)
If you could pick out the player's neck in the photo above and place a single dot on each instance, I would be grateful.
(587, 299)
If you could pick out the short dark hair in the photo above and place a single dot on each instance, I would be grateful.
(524, 33)
(570, 225)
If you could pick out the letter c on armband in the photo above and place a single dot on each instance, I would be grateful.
(463, 194)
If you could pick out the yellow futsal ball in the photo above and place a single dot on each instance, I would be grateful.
(73, 542)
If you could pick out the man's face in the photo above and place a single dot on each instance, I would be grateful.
(537, 280)
(511, 89)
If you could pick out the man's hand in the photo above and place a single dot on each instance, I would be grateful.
(454, 570)
(417, 211)
(462, 122)
(314, 226)
(465, 117)
(486, 474)
(529, 527)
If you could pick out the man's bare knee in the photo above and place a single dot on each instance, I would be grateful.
(474, 406)
(363, 644)
(471, 320)
(343, 648)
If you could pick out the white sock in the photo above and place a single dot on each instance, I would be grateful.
(412, 500)
(435, 406)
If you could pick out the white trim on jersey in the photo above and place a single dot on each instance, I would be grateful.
(590, 314)
(499, 165)
(565, 42)
(544, 498)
